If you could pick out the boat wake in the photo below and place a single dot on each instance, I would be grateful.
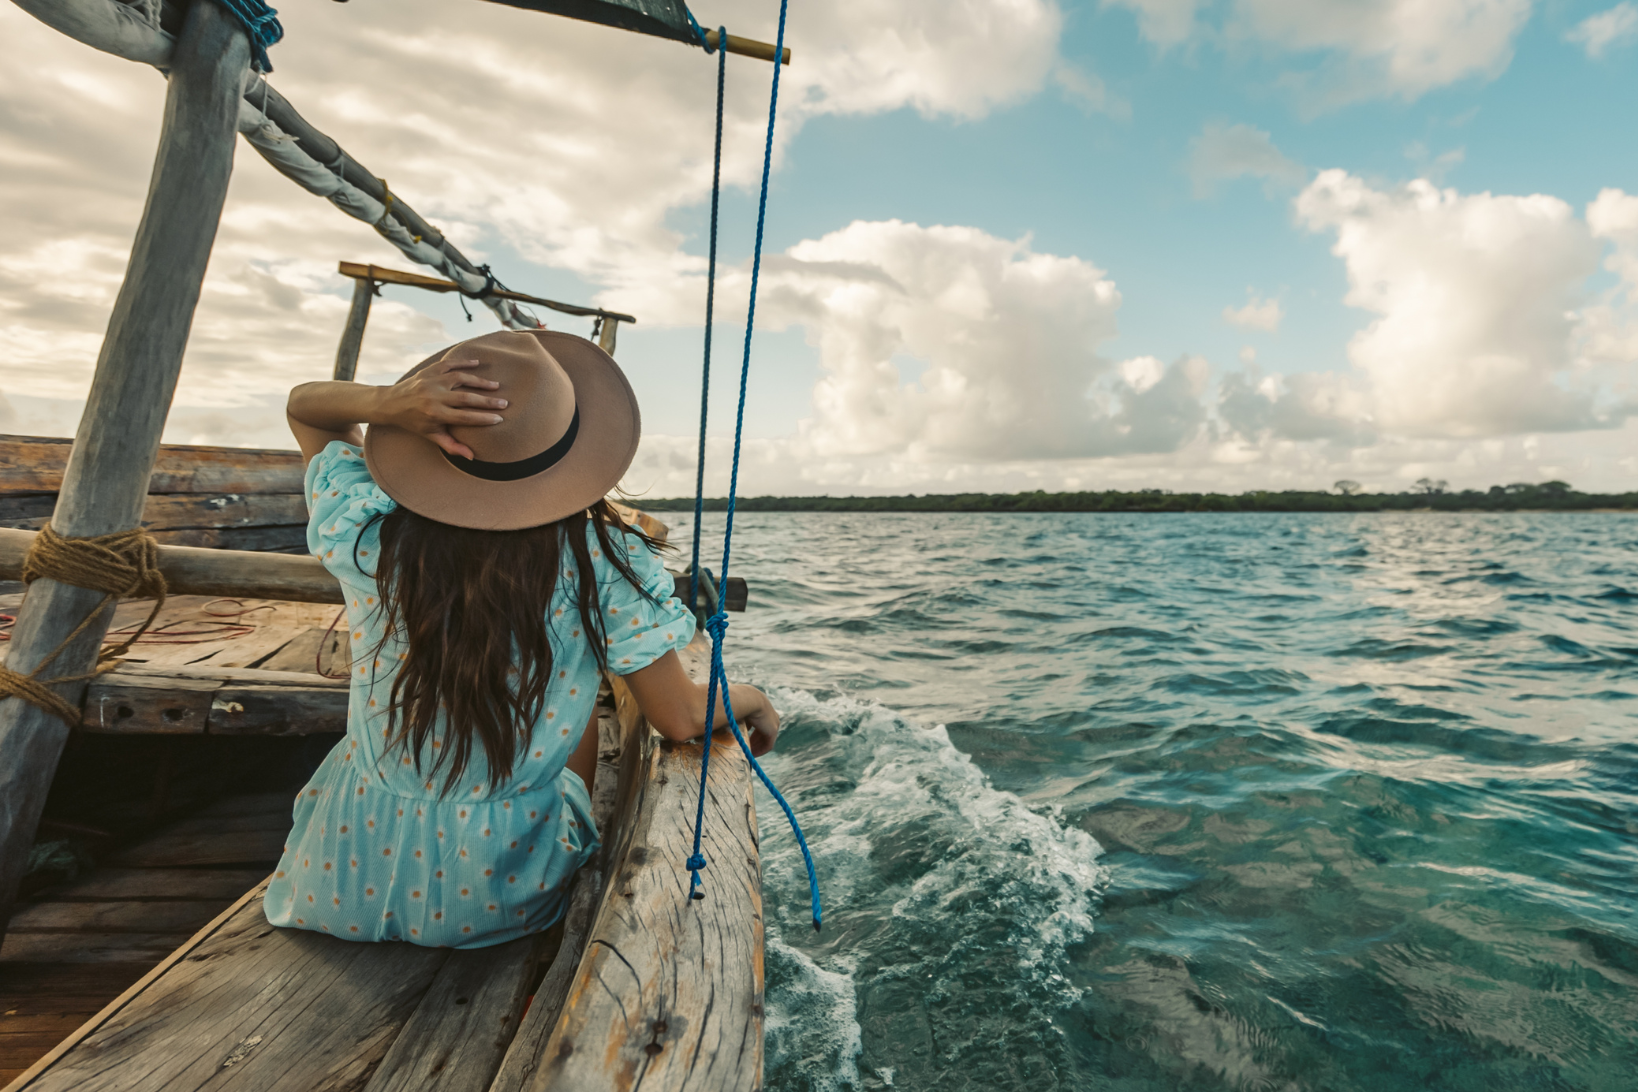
(934, 882)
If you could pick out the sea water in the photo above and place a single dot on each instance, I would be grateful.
(1213, 801)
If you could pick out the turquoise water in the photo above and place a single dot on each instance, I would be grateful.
(1200, 801)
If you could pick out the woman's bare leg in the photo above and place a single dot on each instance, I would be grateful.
(584, 759)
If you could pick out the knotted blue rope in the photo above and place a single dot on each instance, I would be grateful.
(710, 301)
(261, 25)
(717, 624)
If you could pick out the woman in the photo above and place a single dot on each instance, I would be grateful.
(488, 583)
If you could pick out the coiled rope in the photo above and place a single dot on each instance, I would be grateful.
(121, 566)
(261, 25)
(717, 624)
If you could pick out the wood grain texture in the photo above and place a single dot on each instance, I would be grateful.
(193, 849)
(106, 480)
(455, 1039)
(35, 464)
(669, 993)
(253, 1007)
(169, 916)
(352, 335)
(177, 512)
(165, 883)
(195, 571)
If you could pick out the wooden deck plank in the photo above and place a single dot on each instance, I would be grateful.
(89, 947)
(303, 651)
(195, 850)
(458, 1033)
(151, 916)
(253, 803)
(253, 1007)
(35, 464)
(222, 884)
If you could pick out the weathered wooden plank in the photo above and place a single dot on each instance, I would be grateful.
(277, 819)
(252, 1007)
(149, 975)
(122, 703)
(236, 676)
(254, 540)
(325, 648)
(669, 993)
(278, 710)
(210, 572)
(168, 883)
(35, 464)
(177, 511)
(150, 916)
(105, 482)
(459, 1032)
(193, 850)
(250, 649)
(254, 803)
(89, 947)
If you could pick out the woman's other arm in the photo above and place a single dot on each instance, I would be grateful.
(675, 705)
(428, 402)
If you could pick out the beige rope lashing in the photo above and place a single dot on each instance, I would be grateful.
(123, 565)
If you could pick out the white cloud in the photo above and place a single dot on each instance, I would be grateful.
(1256, 314)
(1609, 326)
(1363, 48)
(1164, 22)
(1010, 340)
(1475, 299)
(1597, 34)
(1088, 92)
(1238, 151)
(566, 143)
(1400, 47)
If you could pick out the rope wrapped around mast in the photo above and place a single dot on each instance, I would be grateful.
(122, 565)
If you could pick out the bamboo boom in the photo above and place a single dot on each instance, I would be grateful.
(189, 570)
(106, 482)
(748, 47)
(381, 275)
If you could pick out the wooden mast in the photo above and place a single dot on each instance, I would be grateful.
(106, 482)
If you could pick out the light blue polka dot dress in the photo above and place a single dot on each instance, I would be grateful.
(377, 852)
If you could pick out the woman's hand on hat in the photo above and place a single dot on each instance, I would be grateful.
(438, 398)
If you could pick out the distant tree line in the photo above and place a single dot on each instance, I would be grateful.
(1346, 496)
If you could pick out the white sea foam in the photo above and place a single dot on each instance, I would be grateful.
(812, 1021)
(906, 830)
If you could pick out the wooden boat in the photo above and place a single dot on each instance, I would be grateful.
(638, 985)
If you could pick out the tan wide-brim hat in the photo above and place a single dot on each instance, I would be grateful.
(564, 441)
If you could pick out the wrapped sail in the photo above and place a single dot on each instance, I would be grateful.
(664, 18)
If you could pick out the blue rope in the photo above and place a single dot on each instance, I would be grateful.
(260, 24)
(710, 300)
(717, 624)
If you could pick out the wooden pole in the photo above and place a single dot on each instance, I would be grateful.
(605, 338)
(749, 47)
(106, 482)
(352, 338)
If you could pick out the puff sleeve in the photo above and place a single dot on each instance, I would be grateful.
(342, 502)
(640, 630)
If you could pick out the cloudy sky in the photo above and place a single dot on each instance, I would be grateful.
(1012, 244)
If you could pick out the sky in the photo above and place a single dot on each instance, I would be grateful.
(1011, 244)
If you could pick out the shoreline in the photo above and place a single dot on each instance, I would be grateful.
(1158, 502)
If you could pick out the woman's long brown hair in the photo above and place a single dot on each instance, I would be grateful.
(472, 608)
